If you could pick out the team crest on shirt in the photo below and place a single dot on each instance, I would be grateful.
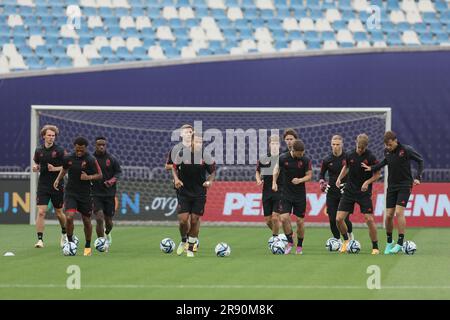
(54, 154)
(286, 163)
(352, 161)
(401, 153)
(41, 154)
(299, 164)
(108, 162)
(69, 163)
(330, 164)
(365, 161)
(83, 164)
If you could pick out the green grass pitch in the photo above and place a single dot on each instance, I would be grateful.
(135, 268)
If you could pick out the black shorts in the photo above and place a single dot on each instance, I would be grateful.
(398, 197)
(76, 203)
(297, 207)
(333, 205)
(56, 196)
(348, 201)
(271, 205)
(191, 205)
(105, 204)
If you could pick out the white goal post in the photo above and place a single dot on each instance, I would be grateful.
(126, 121)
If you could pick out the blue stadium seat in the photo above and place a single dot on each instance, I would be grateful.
(140, 53)
(394, 39)
(112, 60)
(427, 39)
(137, 12)
(283, 13)
(107, 52)
(267, 14)
(347, 15)
(148, 42)
(339, 25)
(189, 23)
(123, 54)
(64, 63)
(25, 51)
(240, 23)
(295, 35)
(392, 5)
(130, 32)
(49, 62)
(119, 12)
(230, 34)
(175, 23)
(346, 45)
(360, 36)
(281, 44)
(33, 63)
(215, 45)
(314, 45)
(328, 36)
(224, 23)
(204, 52)
(377, 35)
(345, 5)
(58, 51)
(312, 36)
(172, 53)
(297, 4)
(279, 34)
(179, 44)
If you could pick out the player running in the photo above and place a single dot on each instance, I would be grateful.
(295, 169)
(358, 189)
(400, 182)
(104, 191)
(186, 132)
(82, 169)
(333, 165)
(48, 159)
(190, 179)
(271, 199)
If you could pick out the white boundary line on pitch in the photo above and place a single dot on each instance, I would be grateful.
(163, 286)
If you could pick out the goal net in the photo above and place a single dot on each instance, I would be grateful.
(141, 137)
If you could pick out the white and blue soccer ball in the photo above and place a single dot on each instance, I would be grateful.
(353, 246)
(278, 247)
(283, 238)
(333, 244)
(271, 240)
(101, 244)
(222, 250)
(409, 247)
(167, 245)
(69, 249)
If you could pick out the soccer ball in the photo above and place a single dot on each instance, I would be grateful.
(69, 249)
(278, 247)
(333, 244)
(353, 246)
(167, 245)
(409, 247)
(101, 244)
(271, 241)
(222, 250)
(283, 238)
